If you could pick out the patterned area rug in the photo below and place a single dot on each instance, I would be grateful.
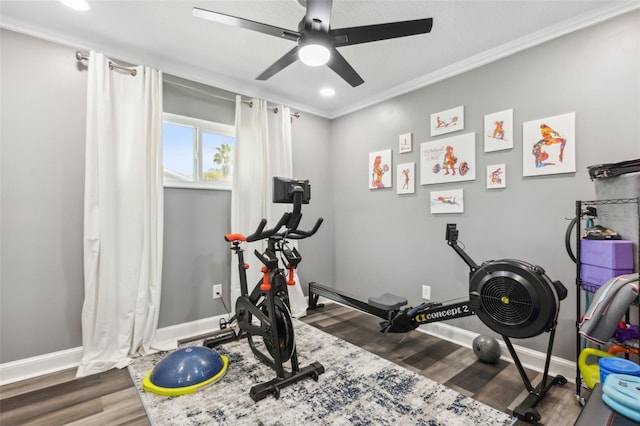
(357, 388)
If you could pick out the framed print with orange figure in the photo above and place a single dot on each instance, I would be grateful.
(379, 168)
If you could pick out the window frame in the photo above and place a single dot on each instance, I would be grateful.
(199, 127)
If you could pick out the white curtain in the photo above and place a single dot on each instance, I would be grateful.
(263, 150)
(123, 215)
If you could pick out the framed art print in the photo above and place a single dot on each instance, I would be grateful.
(451, 159)
(496, 176)
(379, 167)
(405, 143)
(447, 121)
(406, 178)
(450, 201)
(498, 131)
(549, 145)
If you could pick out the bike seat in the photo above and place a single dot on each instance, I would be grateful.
(388, 302)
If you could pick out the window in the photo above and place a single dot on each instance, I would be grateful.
(197, 153)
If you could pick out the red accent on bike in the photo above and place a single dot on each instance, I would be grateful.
(265, 286)
(291, 281)
(235, 237)
(246, 266)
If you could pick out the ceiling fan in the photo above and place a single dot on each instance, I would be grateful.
(317, 41)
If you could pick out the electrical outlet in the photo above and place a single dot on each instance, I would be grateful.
(426, 292)
(217, 291)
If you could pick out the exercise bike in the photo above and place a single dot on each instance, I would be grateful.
(513, 298)
(265, 312)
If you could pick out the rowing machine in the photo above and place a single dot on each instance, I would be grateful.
(513, 298)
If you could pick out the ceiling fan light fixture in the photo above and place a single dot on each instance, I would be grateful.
(317, 42)
(314, 54)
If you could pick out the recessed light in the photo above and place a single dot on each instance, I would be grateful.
(327, 91)
(81, 5)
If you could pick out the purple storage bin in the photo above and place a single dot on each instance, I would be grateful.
(612, 254)
(594, 276)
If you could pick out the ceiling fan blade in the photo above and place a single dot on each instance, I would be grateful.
(288, 58)
(318, 15)
(377, 32)
(340, 65)
(246, 24)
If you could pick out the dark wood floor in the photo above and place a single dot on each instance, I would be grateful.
(60, 399)
(111, 399)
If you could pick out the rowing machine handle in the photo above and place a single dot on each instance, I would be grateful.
(452, 241)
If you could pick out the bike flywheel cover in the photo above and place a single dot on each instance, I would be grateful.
(286, 336)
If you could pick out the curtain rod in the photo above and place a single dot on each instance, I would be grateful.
(295, 114)
(83, 57)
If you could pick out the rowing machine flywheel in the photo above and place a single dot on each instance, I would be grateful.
(515, 298)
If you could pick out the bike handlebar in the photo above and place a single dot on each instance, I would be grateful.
(293, 233)
(259, 234)
(299, 235)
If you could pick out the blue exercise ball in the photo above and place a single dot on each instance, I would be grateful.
(487, 349)
(185, 370)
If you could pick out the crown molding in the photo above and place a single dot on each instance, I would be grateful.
(495, 54)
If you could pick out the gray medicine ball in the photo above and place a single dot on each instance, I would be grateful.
(487, 349)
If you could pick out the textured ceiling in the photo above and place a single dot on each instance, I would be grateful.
(165, 35)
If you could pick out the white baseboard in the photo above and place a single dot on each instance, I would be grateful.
(167, 337)
(28, 368)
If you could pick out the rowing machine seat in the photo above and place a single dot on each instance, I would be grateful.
(388, 302)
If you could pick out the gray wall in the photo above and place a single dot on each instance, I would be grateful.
(312, 160)
(389, 242)
(195, 254)
(42, 172)
(371, 242)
